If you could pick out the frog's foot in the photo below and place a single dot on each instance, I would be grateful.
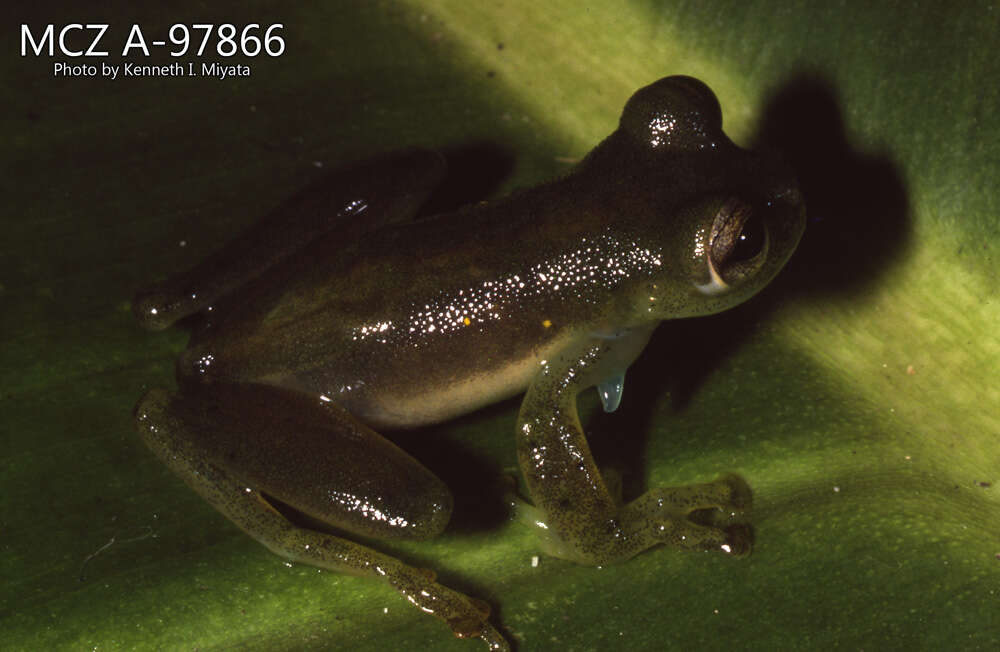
(727, 498)
(479, 627)
(709, 516)
(468, 617)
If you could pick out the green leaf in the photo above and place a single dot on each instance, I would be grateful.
(858, 395)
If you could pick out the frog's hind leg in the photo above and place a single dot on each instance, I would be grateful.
(350, 201)
(315, 457)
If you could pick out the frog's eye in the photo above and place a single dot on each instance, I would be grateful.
(738, 241)
(677, 112)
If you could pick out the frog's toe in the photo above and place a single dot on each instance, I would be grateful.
(495, 642)
(466, 626)
(739, 539)
(475, 624)
(729, 497)
(740, 494)
(471, 624)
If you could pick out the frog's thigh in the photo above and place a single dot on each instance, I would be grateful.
(304, 452)
(347, 202)
(189, 433)
(585, 521)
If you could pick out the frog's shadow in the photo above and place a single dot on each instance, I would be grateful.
(858, 227)
(475, 172)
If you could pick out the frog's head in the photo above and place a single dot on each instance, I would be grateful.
(725, 219)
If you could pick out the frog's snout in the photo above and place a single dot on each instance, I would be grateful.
(151, 309)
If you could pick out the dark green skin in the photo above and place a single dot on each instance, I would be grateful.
(359, 319)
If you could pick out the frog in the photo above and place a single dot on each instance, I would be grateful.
(341, 317)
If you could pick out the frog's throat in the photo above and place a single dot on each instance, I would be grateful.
(610, 392)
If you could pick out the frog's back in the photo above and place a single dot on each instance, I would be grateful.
(416, 323)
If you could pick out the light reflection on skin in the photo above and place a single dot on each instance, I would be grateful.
(348, 502)
(599, 263)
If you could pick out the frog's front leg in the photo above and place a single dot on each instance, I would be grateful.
(584, 521)
(244, 446)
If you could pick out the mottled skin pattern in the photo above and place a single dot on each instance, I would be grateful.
(357, 318)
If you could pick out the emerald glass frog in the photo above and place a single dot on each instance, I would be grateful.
(340, 317)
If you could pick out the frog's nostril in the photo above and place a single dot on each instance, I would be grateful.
(195, 364)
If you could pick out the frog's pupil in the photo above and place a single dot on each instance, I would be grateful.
(749, 242)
